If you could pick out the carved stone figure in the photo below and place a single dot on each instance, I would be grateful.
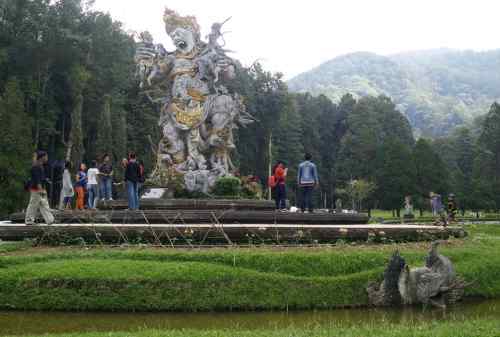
(436, 283)
(408, 206)
(197, 110)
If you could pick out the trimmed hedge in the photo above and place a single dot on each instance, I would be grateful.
(225, 279)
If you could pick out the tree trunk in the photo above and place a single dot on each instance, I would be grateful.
(75, 149)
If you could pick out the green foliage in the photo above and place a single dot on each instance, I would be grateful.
(486, 171)
(17, 149)
(395, 174)
(437, 90)
(227, 187)
(222, 279)
(431, 172)
(357, 191)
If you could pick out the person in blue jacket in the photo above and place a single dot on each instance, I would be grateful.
(307, 179)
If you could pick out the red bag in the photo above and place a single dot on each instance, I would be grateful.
(272, 181)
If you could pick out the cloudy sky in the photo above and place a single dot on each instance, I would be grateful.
(295, 36)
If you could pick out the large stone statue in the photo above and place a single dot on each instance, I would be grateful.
(197, 110)
(436, 283)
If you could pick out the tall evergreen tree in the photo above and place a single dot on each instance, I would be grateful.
(17, 149)
(104, 141)
(287, 142)
(486, 174)
(431, 172)
(395, 175)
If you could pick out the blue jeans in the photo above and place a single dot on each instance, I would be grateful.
(93, 195)
(106, 192)
(306, 200)
(133, 195)
(280, 196)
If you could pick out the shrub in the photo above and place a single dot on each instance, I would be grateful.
(227, 187)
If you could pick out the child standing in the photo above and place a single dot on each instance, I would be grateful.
(81, 186)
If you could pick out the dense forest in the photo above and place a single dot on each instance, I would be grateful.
(67, 86)
(437, 90)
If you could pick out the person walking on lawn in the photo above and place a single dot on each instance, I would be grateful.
(307, 179)
(38, 192)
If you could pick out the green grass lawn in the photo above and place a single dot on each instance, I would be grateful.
(470, 328)
(131, 279)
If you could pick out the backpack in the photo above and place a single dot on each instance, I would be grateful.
(272, 181)
(27, 185)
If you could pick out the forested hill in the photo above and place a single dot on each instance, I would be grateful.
(436, 89)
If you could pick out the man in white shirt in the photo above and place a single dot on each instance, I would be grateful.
(92, 185)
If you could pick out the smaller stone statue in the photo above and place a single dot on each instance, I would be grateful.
(338, 205)
(435, 283)
(408, 205)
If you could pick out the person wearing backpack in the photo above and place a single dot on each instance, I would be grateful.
(307, 179)
(38, 193)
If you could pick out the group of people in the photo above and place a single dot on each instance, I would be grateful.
(89, 185)
(438, 209)
(307, 180)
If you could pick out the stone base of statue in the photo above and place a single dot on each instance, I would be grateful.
(202, 222)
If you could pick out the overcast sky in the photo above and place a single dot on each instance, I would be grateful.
(294, 36)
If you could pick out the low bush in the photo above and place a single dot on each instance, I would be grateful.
(227, 187)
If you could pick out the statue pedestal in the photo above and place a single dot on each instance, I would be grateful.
(157, 193)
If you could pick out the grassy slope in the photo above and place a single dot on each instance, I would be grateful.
(470, 328)
(224, 279)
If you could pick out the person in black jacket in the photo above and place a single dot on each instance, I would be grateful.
(132, 179)
(38, 191)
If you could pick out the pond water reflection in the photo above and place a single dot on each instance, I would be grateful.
(21, 323)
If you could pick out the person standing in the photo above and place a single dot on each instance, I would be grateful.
(437, 208)
(81, 186)
(92, 185)
(132, 177)
(67, 191)
(106, 174)
(38, 192)
(307, 179)
(452, 208)
(280, 172)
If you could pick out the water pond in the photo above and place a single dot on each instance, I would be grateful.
(22, 323)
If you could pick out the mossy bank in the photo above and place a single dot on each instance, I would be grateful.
(145, 279)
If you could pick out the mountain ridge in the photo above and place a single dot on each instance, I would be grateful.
(436, 89)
